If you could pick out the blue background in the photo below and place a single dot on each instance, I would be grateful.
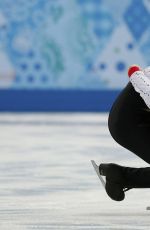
(67, 55)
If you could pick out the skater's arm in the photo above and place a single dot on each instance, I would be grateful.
(147, 72)
(141, 83)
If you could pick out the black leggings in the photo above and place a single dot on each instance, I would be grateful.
(129, 123)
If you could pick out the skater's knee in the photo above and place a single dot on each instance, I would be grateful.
(114, 128)
(117, 128)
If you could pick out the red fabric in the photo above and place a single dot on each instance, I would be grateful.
(133, 69)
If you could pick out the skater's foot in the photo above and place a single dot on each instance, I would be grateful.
(115, 182)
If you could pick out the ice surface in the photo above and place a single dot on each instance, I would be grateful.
(47, 180)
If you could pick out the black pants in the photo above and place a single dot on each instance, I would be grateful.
(129, 123)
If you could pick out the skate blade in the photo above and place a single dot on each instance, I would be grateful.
(95, 166)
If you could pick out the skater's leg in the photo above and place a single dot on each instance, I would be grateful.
(129, 123)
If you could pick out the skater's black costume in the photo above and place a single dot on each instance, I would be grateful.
(129, 125)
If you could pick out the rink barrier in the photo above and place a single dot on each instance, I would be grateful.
(57, 100)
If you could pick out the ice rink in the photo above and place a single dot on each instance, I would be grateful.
(48, 182)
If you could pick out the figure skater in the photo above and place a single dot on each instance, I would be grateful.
(129, 125)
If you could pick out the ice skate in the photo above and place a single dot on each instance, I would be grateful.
(115, 182)
(96, 167)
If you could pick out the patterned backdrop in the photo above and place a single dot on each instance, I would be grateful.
(72, 44)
